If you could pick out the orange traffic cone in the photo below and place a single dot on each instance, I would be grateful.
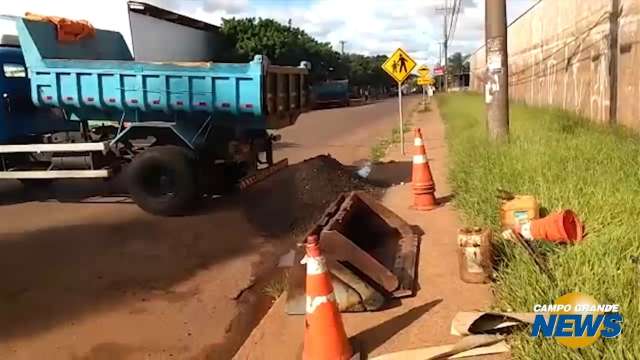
(421, 179)
(324, 334)
(562, 227)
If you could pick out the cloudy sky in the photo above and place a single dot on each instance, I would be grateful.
(368, 26)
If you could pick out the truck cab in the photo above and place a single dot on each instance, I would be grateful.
(20, 120)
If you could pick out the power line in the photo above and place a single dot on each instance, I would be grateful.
(450, 23)
(445, 42)
(453, 23)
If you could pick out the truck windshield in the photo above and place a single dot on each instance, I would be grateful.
(14, 70)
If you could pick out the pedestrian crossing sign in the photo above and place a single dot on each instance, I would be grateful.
(399, 65)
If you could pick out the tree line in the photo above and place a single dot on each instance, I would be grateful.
(287, 45)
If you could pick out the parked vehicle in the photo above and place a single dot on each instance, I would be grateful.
(330, 93)
(183, 129)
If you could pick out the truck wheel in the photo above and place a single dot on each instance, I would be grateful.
(162, 180)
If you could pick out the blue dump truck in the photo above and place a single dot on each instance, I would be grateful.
(180, 130)
(330, 93)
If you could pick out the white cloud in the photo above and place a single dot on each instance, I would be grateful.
(105, 14)
(368, 26)
(231, 6)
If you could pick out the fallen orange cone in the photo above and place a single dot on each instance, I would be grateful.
(324, 334)
(421, 179)
(562, 227)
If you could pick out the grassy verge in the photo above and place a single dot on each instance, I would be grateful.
(567, 163)
(379, 150)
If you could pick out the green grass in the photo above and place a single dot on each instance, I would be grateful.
(379, 150)
(276, 286)
(566, 162)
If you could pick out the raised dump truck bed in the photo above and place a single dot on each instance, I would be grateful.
(183, 129)
(92, 80)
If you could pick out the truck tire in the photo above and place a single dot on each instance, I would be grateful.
(162, 180)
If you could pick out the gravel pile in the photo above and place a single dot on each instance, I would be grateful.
(293, 199)
(321, 179)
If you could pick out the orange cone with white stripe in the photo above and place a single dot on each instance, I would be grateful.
(421, 179)
(324, 334)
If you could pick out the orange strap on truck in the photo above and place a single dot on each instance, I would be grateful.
(68, 30)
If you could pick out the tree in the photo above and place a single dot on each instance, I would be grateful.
(458, 69)
(282, 44)
(459, 64)
(287, 45)
(367, 70)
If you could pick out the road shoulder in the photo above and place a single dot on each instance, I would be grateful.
(419, 321)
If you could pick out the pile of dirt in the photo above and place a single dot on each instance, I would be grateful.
(317, 183)
(296, 197)
(321, 179)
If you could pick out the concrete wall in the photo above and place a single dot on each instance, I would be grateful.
(159, 40)
(559, 56)
(629, 64)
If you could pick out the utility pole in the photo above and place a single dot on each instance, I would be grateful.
(445, 43)
(446, 49)
(614, 27)
(497, 75)
(440, 78)
(342, 42)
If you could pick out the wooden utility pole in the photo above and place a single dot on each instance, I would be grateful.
(497, 73)
(614, 27)
(445, 42)
(342, 42)
(446, 49)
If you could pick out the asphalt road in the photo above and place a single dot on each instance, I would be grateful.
(347, 134)
(108, 281)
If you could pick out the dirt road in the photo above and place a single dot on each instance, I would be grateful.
(107, 281)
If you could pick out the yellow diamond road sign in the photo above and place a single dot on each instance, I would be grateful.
(423, 70)
(424, 78)
(399, 65)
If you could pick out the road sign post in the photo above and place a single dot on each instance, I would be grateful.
(401, 118)
(399, 65)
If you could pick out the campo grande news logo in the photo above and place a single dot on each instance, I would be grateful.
(577, 320)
